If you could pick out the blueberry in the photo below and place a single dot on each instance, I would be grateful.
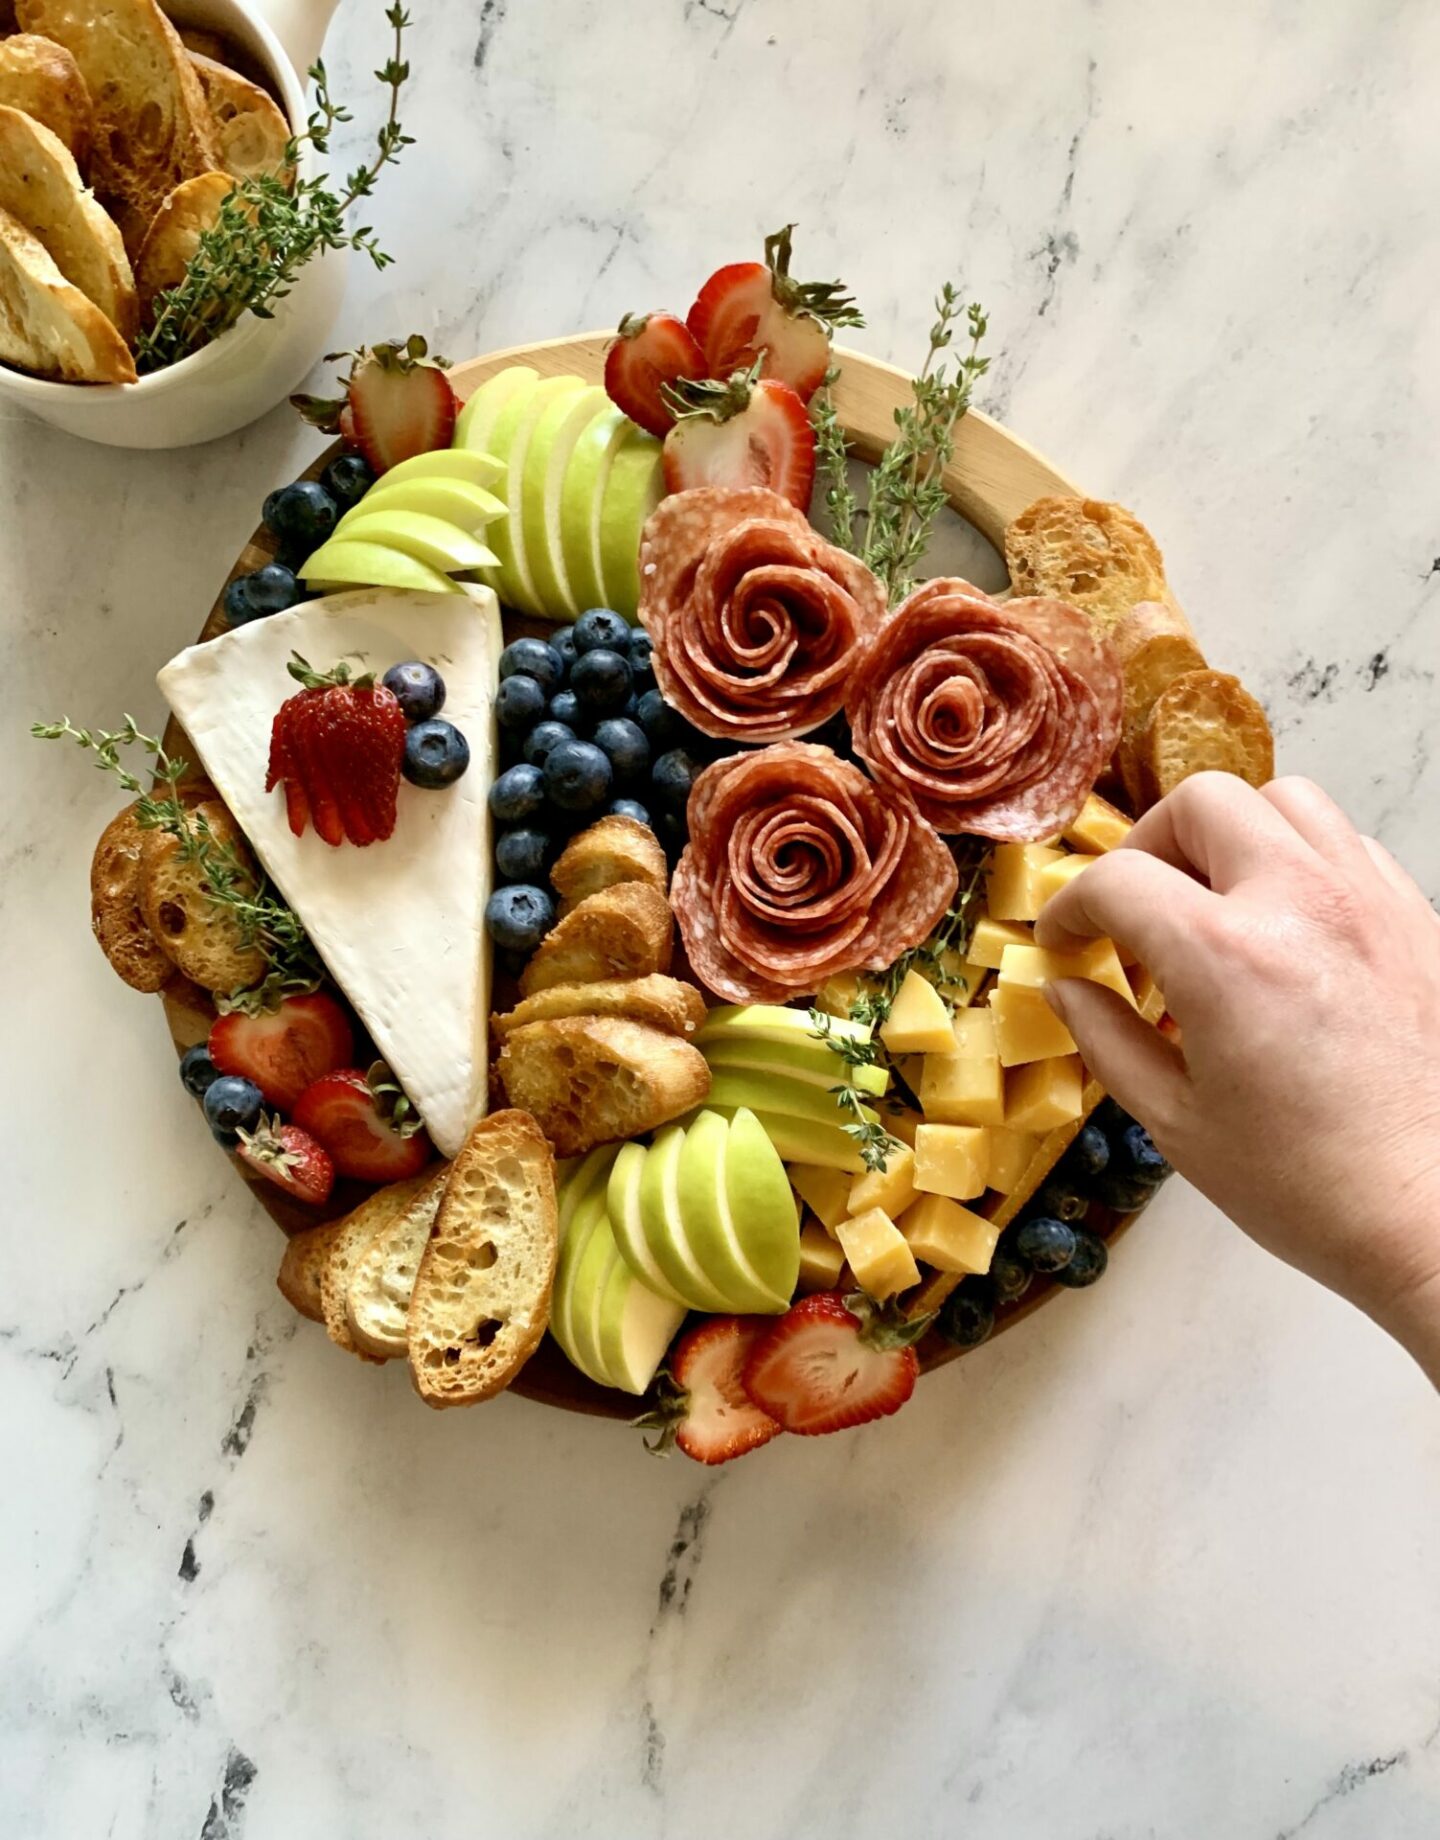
(670, 828)
(1046, 1244)
(628, 808)
(968, 1314)
(1123, 1193)
(347, 479)
(665, 726)
(533, 658)
(1059, 1199)
(601, 681)
(519, 701)
(238, 610)
(231, 1105)
(301, 513)
(1008, 1272)
(624, 743)
(564, 644)
(519, 917)
(642, 671)
(577, 776)
(197, 1071)
(672, 777)
(272, 589)
(419, 689)
(517, 794)
(564, 707)
(1089, 1153)
(599, 627)
(1087, 1263)
(544, 736)
(436, 754)
(1137, 1157)
(520, 854)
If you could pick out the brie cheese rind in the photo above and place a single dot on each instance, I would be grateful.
(400, 924)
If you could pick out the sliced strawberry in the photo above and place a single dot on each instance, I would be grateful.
(283, 1046)
(338, 747)
(290, 1158)
(397, 403)
(282, 771)
(754, 310)
(366, 1124)
(747, 432)
(833, 1361)
(650, 350)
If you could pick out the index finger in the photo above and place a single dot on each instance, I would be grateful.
(1152, 908)
(1217, 827)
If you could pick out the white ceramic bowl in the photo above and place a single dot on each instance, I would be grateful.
(259, 361)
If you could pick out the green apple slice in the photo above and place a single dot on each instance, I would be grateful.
(583, 1174)
(586, 1258)
(634, 487)
(468, 507)
(771, 1092)
(622, 1204)
(473, 468)
(475, 424)
(664, 1224)
(511, 440)
(636, 1328)
(772, 1022)
(801, 1140)
(812, 1063)
(582, 500)
(599, 1260)
(428, 539)
(551, 447)
(357, 564)
(716, 1238)
(761, 1206)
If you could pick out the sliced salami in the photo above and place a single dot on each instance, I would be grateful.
(799, 867)
(996, 718)
(756, 620)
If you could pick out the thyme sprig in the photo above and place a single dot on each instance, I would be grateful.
(272, 224)
(871, 1138)
(831, 457)
(261, 919)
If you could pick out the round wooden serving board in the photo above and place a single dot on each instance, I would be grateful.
(993, 475)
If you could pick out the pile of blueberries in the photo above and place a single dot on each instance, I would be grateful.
(300, 516)
(1112, 1164)
(583, 732)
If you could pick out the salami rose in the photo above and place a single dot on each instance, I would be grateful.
(798, 867)
(994, 717)
(756, 620)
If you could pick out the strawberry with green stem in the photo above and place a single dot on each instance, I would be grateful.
(748, 431)
(397, 403)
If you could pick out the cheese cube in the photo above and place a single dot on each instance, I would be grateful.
(973, 1036)
(951, 1238)
(876, 1252)
(820, 1259)
(1099, 827)
(919, 1022)
(1057, 875)
(952, 1159)
(1026, 1028)
(1033, 967)
(990, 939)
(826, 1192)
(1044, 1094)
(1012, 890)
(961, 1089)
(891, 1188)
(960, 977)
(838, 994)
(904, 1123)
(1011, 1153)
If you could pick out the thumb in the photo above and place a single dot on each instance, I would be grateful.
(1132, 1060)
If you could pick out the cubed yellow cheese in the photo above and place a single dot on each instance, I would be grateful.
(1098, 828)
(952, 1159)
(903, 1123)
(876, 1252)
(820, 1259)
(1012, 890)
(959, 1089)
(919, 1021)
(826, 1192)
(1057, 875)
(973, 1036)
(951, 1238)
(837, 994)
(960, 977)
(1044, 1094)
(1026, 1028)
(1010, 1156)
(1032, 967)
(891, 1188)
(990, 939)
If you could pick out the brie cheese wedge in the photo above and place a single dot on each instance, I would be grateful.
(399, 924)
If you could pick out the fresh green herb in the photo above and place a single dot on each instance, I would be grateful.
(874, 1142)
(928, 958)
(262, 920)
(831, 463)
(272, 224)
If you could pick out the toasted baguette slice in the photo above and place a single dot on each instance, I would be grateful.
(1156, 646)
(298, 1279)
(612, 850)
(42, 78)
(41, 187)
(199, 937)
(47, 326)
(206, 44)
(119, 925)
(152, 128)
(482, 1295)
(383, 1277)
(621, 932)
(175, 232)
(354, 1235)
(1204, 722)
(1095, 555)
(663, 1002)
(589, 1080)
(250, 131)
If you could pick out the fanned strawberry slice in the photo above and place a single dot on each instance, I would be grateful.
(703, 1407)
(649, 351)
(338, 746)
(749, 431)
(833, 1361)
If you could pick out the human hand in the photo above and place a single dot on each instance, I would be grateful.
(1302, 965)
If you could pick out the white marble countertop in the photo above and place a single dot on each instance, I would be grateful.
(1161, 1563)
